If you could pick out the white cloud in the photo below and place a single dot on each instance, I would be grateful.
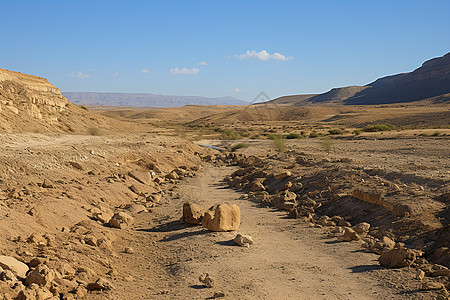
(184, 71)
(237, 90)
(202, 63)
(78, 74)
(262, 55)
(145, 70)
(116, 74)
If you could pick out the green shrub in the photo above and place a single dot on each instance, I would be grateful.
(254, 137)
(84, 107)
(357, 131)
(279, 143)
(294, 136)
(238, 146)
(228, 134)
(378, 127)
(327, 143)
(336, 131)
(313, 134)
(271, 136)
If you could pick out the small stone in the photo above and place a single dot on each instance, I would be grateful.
(349, 235)
(121, 220)
(129, 250)
(243, 240)
(219, 294)
(207, 280)
(432, 286)
(101, 284)
(420, 274)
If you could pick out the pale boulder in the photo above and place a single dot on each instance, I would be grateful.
(10, 263)
(222, 217)
(349, 235)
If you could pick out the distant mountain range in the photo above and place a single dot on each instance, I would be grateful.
(430, 81)
(146, 100)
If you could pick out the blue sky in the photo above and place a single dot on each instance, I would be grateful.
(219, 48)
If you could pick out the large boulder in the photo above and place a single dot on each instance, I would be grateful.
(222, 217)
(141, 176)
(121, 220)
(10, 263)
(397, 258)
(192, 213)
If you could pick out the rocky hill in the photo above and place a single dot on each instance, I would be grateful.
(430, 81)
(146, 100)
(32, 104)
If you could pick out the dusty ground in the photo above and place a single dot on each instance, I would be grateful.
(290, 259)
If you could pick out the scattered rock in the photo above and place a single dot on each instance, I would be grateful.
(17, 267)
(282, 175)
(243, 240)
(141, 176)
(192, 213)
(48, 184)
(219, 294)
(432, 286)
(34, 262)
(420, 274)
(397, 258)
(288, 206)
(41, 276)
(207, 280)
(102, 284)
(326, 221)
(349, 235)
(121, 220)
(222, 217)
(361, 228)
(129, 250)
(90, 240)
(76, 165)
(136, 208)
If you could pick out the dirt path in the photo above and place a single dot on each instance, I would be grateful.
(288, 260)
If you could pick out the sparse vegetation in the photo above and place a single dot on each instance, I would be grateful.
(327, 144)
(313, 134)
(336, 131)
(357, 131)
(279, 143)
(378, 127)
(436, 133)
(84, 107)
(94, 131)
(228, 134)
(238, 146)
(293, 135)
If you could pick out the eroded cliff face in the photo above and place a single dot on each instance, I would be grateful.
(29, 96)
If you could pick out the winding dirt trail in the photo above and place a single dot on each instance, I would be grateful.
(287, 261)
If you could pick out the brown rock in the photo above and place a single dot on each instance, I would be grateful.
(282, 175)
(101, 284)
(141, 176)
(257, 187)
(349, 235)
(207, 280)
(432, 286)
(173, 175)
(362, 228)
(121, 220)
(222, 217)
(192, 213)
(397, 258)
(17, 267)
(41, 276)
(288, 206)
